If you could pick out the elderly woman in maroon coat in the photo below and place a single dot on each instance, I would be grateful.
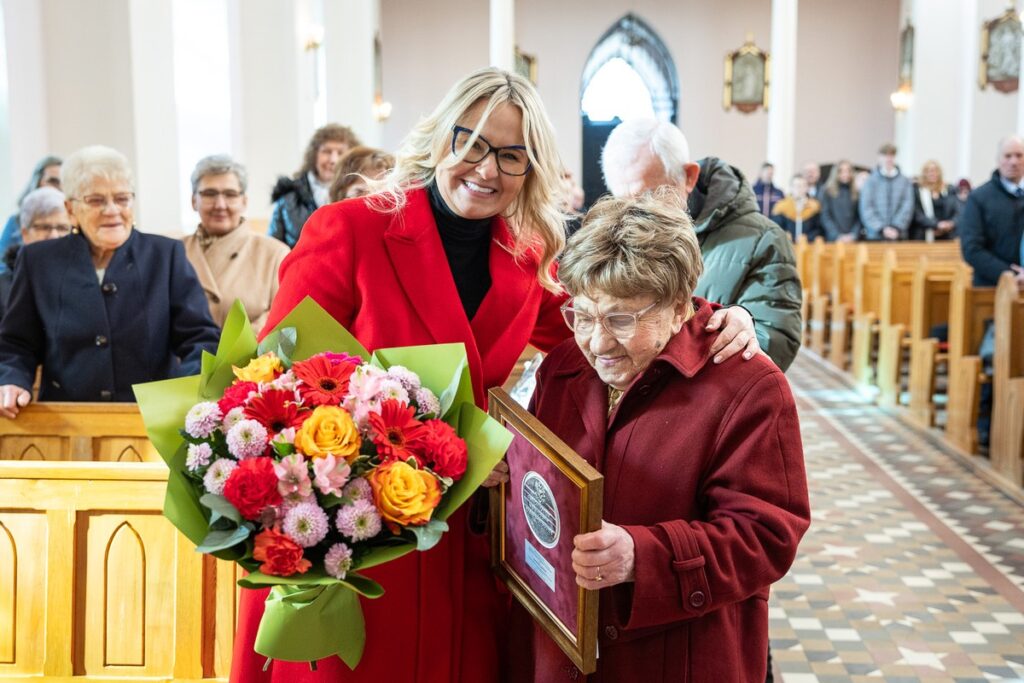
(705, 495)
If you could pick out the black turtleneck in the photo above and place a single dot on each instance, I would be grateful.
(467, 244)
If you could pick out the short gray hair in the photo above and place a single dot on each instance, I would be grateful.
(219, 164)
(40, 202)
(632, 246)
(86, 165)
(664, 139)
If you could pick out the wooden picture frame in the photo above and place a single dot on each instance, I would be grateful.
(526, 65)
(747, 82)
(525, 512)
(999, 65)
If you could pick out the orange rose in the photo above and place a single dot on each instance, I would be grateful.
(263, 368)
(403, 494)
(329, 431)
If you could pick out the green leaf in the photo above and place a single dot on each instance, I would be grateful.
(283, 448)
(319, 332)
(281, 342)
(223, 539)
(332, 501)
(221, 506)
(442, 368)
(429, 535)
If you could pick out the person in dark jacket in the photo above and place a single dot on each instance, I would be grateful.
(43, 216)
(935, 206)
(296, 198)
(104, 308)
(840, 217)
(749, 264)
(768, 194)
(799, 214)
(887, 199)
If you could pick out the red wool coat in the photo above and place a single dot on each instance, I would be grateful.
(704, 468)
(385, 277)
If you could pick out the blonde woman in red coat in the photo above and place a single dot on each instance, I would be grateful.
(457, 244)
(705, 495)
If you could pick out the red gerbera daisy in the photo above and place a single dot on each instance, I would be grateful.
(394, 430)
(323, 383)
(276, 410)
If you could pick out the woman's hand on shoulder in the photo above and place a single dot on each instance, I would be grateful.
(12, 399)
(604, 558)
(737, 333)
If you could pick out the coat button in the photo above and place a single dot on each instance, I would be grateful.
(101, 340)
(106, 394)
(697, 598)
(109, 288)
(214, 298)
(55, 383)
(611, 632)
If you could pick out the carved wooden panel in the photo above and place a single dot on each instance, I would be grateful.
(126, 583)
(22, 594)
(226, 596)
(123, 449)
(33, 447)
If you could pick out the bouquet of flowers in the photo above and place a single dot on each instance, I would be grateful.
(305, 459)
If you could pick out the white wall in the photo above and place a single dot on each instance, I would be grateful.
(995, 113)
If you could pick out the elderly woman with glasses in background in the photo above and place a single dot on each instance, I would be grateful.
(705, 496)
(45, 174)
(43, 216)
(104, 308)
(231, 261)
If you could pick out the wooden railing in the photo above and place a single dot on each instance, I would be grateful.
(1008, 382)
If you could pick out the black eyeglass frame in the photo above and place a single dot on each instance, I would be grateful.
(490, 148)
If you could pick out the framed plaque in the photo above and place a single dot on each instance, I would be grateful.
(552, 495)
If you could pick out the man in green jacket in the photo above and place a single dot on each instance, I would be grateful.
(748, 259)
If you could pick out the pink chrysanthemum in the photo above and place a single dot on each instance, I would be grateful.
(427, 402)
(199, 455)
(338, 560)
(202, 419)
(218, 474)
(409, 379)
(306, 524)
(233, 417)
(247, 439)
(358, 489)
(359, 521)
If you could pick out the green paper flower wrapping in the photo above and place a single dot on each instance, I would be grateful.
(306, 459)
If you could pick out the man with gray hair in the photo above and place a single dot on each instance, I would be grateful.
(748, 259)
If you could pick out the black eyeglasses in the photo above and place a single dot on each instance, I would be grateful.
(512, 160)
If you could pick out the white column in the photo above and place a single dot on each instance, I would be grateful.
(154, 117)
(266, 56)
(350, 28)
(503, 34)
(967, 77)
(782, 103)
(28, 138)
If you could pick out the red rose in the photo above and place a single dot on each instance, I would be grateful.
(280, 555)
(252, 486)
(235, 395)
(442, 449)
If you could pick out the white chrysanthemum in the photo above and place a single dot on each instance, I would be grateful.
(202, 419)
(199, 455)
(338, 560)
(218, 473)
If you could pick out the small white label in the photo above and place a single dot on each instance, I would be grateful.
(540, 566)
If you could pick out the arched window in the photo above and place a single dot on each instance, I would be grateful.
(629, 74)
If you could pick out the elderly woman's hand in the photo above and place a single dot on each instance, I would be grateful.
(737, 333)
(12, 399)
(603, 558)
(498, 475)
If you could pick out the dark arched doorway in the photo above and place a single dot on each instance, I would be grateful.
(629, 74)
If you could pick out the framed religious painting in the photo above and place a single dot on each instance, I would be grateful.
(747, 78)
(552, 495)
(907, 56)
(526, 65)
(1000, 53)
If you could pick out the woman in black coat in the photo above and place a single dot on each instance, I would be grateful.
(935, 206)
(840, 217)
(105, 307)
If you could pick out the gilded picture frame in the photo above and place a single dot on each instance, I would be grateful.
(526, 65)
(907, 57)
(999, 65)
(747, 83)
(552, 484)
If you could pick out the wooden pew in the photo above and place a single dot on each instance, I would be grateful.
(821, 267)
(95, 584)
(931, 307)
(1007, 438)
(801, 251)
(870, 309)
(912, 297)
(77, 431)
(969, 308)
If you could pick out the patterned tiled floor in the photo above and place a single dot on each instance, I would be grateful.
(913, 569)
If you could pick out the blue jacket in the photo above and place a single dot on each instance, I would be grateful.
(991, 226)
(147, 321)
(10, 237)
(886, 201)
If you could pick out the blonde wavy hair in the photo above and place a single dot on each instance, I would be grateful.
(537, 216)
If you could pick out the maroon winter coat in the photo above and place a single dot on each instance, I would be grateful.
(704, 468)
